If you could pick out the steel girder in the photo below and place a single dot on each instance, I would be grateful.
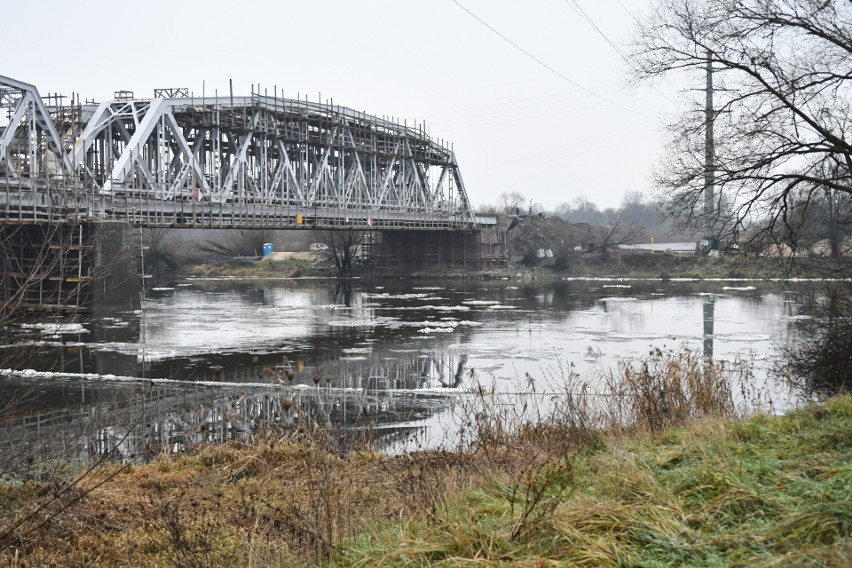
(238, 160)
(30, 145)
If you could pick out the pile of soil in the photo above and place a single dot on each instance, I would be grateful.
(547, 233)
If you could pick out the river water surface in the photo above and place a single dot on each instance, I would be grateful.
(212, 359)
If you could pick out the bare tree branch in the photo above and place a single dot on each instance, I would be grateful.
(343, 248)
(783, 122)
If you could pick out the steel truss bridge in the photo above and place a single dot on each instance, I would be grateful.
(255, 162)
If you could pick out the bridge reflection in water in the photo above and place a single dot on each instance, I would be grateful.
(379, 403)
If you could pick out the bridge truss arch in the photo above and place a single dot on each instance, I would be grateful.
(229, 162)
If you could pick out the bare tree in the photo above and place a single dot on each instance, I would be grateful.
(230, 243)
(512, 203)
(818, 357)
(159, 254)
(343, 248)
(637, 210)
(583, 211)
(617, 231)
(783, 109)
(823, 222)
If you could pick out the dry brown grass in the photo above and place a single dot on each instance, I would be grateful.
(286, 499)
(291, 498)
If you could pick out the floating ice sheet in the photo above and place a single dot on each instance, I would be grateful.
(56, 328)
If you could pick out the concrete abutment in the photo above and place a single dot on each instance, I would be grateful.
(476, 249)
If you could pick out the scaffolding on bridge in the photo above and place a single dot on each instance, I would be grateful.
(255, 162)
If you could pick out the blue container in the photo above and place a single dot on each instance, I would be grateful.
(267, 249)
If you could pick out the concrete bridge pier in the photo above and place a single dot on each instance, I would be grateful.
(475, 249)
(116, 269)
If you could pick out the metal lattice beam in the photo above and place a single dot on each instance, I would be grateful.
(238, 161)
(29, 142)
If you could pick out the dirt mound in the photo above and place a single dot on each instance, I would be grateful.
(546, 233)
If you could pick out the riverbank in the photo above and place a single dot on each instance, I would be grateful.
(719, 491)
(638, 265)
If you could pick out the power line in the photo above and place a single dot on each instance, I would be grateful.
(582, 13)
(545, 65)
(518, 119)
(579, 10)
(628, 12)
(506, 106)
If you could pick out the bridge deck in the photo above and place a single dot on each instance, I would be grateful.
(21, 204)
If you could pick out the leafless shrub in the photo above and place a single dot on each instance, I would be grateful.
(818, 356)
(673, 387)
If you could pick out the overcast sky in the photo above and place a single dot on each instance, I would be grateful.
(554, 123)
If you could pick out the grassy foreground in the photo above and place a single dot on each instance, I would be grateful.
(761, 492)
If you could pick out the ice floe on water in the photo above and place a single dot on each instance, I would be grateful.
(743, 337)
(649, 338)
(111, 323)
(427, 307)
(449, 308)
(388, 296)
(109, 377)
(616, 286)
(373, 322)
(43, 343)
(56, 328)
(739, 288)
(436, 330)
(480, 302)
(618, 299)
(443, 325)
(350, 350)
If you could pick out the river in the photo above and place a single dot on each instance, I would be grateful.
(213, 359)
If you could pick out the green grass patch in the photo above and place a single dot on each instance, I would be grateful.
(765, 491)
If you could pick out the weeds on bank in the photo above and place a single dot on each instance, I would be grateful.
(766, 491)
(601, 477)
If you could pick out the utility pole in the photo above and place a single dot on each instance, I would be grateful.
(709, 162)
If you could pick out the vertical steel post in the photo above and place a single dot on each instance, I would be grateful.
(709, 159)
